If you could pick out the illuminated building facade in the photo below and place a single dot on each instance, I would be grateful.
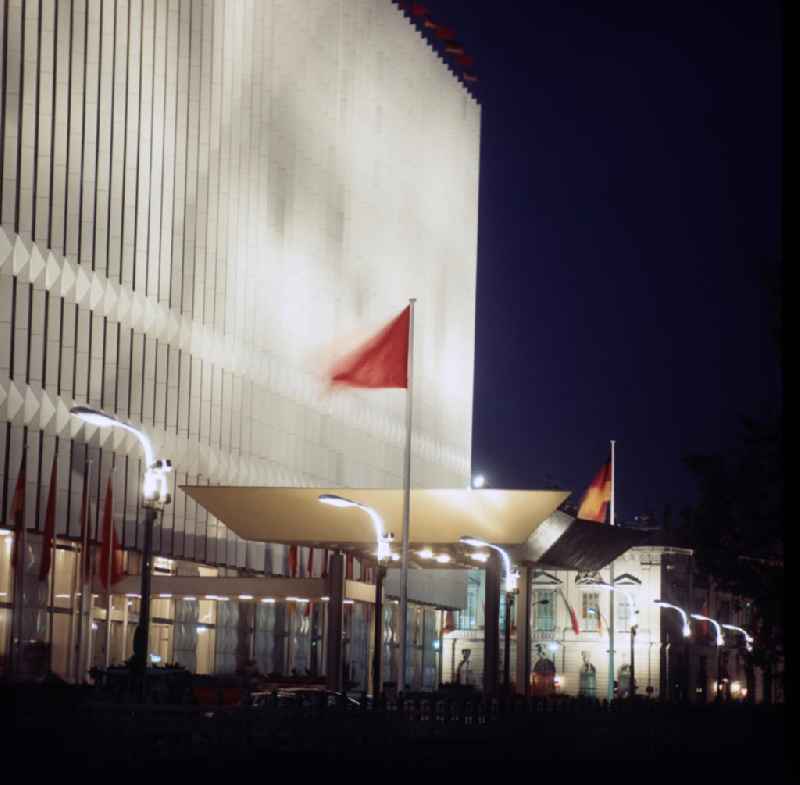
(665, 664)
(202, 202)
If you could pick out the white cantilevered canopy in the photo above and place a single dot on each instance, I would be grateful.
(438, 516)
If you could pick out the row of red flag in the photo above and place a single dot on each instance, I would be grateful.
(446, 35)
(111, 559)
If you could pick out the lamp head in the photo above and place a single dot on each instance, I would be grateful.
(336, 501)
(93, 416)
(478, 481)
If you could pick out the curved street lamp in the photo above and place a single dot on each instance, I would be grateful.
(687, 630)
(383, 555)
(687, 633)
(155, 494)
(748, 639)
(720, 639)
(512, 576)
(720, 642)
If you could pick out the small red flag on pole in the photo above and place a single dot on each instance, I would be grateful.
(110, 555)
(572, 616)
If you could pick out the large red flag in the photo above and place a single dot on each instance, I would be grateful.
(17, 511)
(49, 539)
(594, 504)
(110, 557)
(381, 362)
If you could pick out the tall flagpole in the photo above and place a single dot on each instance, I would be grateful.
(611, 594)
(406, 502)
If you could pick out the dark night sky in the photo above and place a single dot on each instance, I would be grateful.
(630, 194)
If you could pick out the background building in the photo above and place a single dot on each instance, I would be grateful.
(202, 202)
(570, 663)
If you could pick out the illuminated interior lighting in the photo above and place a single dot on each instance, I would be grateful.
(3, 532)
(347, 602)
(426, 553)
(324, 599)
(443, 558)
(189, 599)
(268, 600)
(63, 596)
(202, 629)
(245, 596)
(395, 557)
(481, 557)
(165, 596)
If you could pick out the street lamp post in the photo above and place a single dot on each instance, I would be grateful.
(748, 644)
(155, 495)
(720, 642)
(687, 632)
(511, 589)
(383, 554)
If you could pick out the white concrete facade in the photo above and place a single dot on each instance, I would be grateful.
(202, 204)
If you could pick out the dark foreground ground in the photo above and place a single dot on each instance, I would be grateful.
(68, 725)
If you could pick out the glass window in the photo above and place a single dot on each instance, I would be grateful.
(469, 617)
(207, 611)
(161, 608)
(160, 642)
(206, 641)
(64, 577)
(543, 610)
(623, 611)
(61, 644)
(6, 544)
(5, 637)
(590, 608)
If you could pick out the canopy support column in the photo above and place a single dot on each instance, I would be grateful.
(333, 661)
(523, 622)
